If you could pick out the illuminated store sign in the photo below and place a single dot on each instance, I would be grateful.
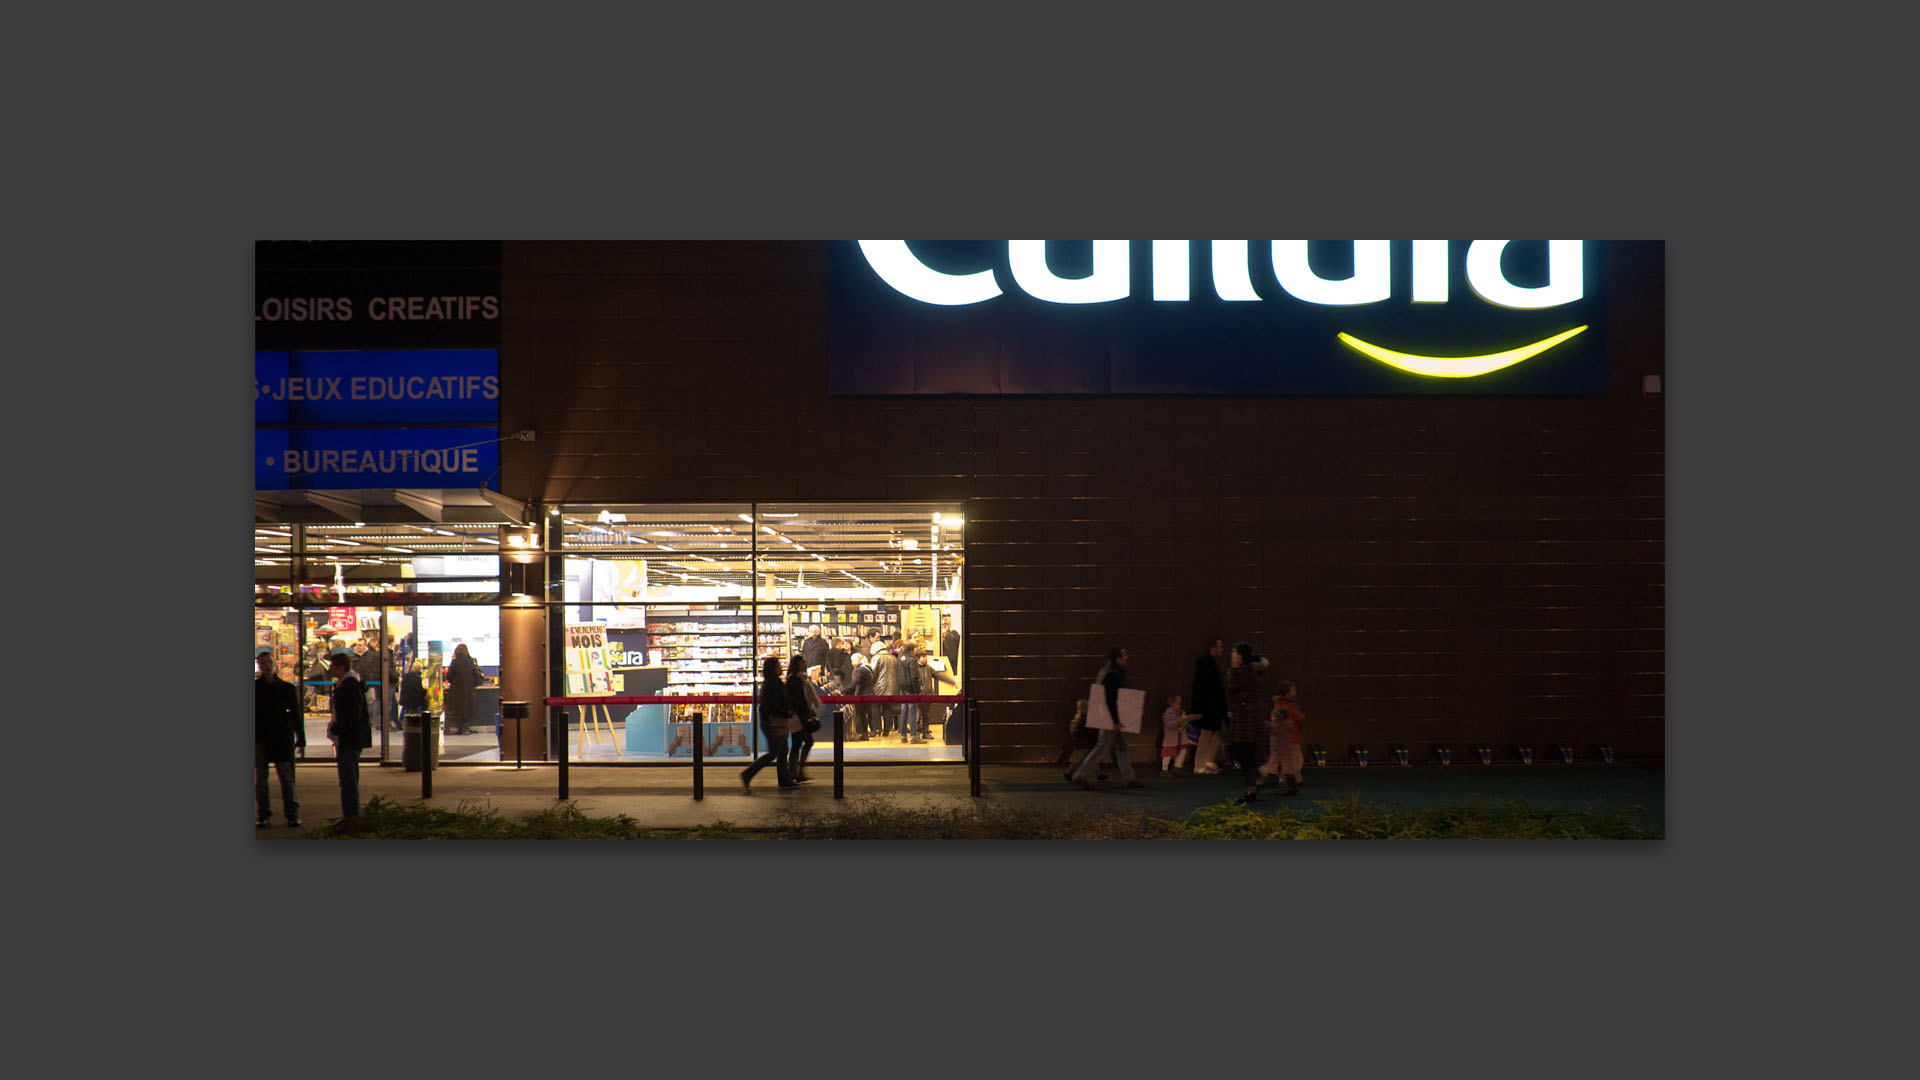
(1217, 317)
(376, 364)
(377, 386)
(374, 457)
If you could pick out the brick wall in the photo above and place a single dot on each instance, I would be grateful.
(1429, 570)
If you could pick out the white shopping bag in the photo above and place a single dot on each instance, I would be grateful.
(1133, 705)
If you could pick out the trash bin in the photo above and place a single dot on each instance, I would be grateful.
(410, 725)
(513, 714)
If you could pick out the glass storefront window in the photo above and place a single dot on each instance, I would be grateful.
(691, 599)
(678, 600)
(391, 597)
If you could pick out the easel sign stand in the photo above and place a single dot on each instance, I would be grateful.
(592, 716)
(589, 675)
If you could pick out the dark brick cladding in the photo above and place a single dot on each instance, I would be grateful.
(1431, 571)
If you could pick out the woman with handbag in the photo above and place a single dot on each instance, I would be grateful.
(775, 712)
(806, 719)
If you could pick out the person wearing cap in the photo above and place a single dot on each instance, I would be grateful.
(277, 731)
(350, 731)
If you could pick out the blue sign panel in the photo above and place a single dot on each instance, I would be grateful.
(1283, 317)
(323, 458)
(413, 386)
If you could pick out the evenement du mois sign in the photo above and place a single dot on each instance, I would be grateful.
(1283, 317)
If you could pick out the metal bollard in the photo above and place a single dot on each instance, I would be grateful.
(971, 743)
(563, 750)
(699, 759)
(840, 753)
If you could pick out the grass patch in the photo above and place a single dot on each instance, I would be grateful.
(1354, 820)
(881, 818)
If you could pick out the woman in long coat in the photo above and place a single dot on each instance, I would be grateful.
(775, 712)
(463, 676)
(1247, 706)
(805, 702)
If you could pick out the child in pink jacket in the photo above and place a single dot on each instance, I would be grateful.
(1172, 738)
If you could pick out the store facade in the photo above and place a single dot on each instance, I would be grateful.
(1438, 563)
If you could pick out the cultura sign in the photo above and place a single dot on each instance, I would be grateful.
(1214, 317)
(1110, 279)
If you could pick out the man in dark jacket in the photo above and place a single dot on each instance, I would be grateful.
(813, 651)
(350, 731)
(863, 722)
(366, 666)
(1209, 700)
(950, 644)
(886, 669)
(277, 731)
(839, 662)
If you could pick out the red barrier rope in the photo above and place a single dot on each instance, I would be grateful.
(747, 699)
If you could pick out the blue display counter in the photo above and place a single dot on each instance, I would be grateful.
(648, 732)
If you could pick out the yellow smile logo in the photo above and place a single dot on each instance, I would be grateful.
(1457, 367)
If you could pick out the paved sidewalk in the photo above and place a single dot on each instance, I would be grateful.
(661, 797)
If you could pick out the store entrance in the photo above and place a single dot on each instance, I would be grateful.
(455, 652)
(303, 641)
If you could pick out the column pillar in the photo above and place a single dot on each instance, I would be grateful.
(523, 641)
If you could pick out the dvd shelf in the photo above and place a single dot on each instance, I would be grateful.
(846, 621)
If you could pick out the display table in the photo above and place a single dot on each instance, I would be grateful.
(725, 738)
(648, 732)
